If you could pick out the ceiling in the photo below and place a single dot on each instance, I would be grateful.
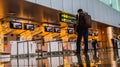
(24, 9)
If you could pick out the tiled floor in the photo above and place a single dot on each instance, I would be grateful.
(103, 58)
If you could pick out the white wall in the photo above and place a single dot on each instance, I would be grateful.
(98, 10)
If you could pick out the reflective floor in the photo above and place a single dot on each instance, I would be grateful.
(100, 58)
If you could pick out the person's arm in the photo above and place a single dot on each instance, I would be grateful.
(76, 19)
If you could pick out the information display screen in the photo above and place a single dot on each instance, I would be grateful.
(70, 31)
(56, 29)
(90, 34)
(15, 25)
(48, 29)
(65, 17)
(29, 26)
(96, 33)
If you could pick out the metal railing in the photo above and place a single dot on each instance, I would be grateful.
(52, 47)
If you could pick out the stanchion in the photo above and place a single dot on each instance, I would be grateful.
(17, 56)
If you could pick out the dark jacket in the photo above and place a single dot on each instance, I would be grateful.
(80, 21)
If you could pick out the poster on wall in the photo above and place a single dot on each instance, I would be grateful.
(15, 25)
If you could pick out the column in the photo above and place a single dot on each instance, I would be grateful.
(1, 42)
(110, 36)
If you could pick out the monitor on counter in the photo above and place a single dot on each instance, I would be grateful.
(70, 31)
(29, 26)
(15, 25)
(90, 34)
(48, 29)
(56, 29)
(96, 33)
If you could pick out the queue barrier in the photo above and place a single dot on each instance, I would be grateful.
(55, 47)
(36, 47)
(23, 48)
(32, 48)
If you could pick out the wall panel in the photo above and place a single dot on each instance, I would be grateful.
(68, 6)
(57, 4)
(44, 2)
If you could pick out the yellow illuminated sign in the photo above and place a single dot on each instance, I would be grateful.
(65, 17)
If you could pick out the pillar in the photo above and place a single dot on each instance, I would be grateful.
(110, 36)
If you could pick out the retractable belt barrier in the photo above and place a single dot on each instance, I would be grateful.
(33, 47)
(36, 47)
(21, 48)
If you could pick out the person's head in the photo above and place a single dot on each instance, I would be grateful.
(80, 11)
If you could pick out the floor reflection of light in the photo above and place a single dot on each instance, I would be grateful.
(66, 62)
(114, 64)
(2, 65)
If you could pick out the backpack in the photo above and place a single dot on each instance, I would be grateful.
(80, 22)
(84, 21)
(88, 21)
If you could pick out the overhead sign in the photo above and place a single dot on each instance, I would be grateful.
(65, 17)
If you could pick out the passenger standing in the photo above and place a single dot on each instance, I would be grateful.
(82, 30)
(94, 45)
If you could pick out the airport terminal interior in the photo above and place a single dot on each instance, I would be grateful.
(33, 35)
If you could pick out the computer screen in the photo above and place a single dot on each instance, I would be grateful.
(70, 31)
(15, 25)
(96, 33)
(57, 29)
(48, 28)
(29, 26)
(90, 34)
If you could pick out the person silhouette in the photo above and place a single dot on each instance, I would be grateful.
(86, 60)
(82, 31)
(94, 45)
(79, 60)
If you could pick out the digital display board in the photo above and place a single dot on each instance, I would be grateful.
(96, 33)
(29, 26)
(15, 25)
(56, 29)
(90, 33)
(65, 17)
(70, 31)
(48, 29)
